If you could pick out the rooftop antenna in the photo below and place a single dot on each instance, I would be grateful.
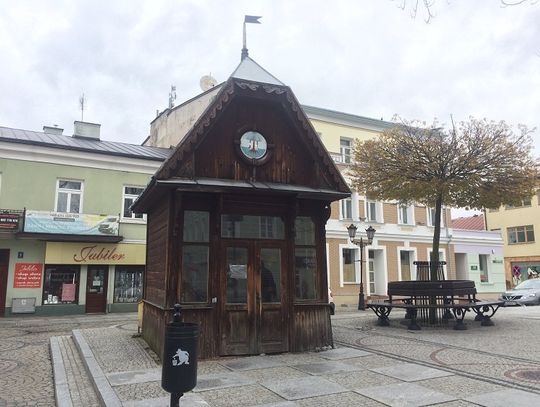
(172, 96)
(82, 102)
(249, 20)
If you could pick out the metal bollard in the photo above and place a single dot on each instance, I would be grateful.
(180, 349)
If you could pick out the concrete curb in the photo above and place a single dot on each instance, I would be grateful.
(106, 394)
(61, 387)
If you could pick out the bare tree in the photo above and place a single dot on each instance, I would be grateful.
(477, 164)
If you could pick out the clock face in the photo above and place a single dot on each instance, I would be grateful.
(253, 145)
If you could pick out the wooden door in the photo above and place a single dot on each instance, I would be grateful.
(4, 267)
(96, 288)
(253, 319)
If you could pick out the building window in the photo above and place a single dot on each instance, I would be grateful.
(372, 212)
(69, 196)
(371, 271)
(195, 257)
(128, 283)
(483, 266)
(521, 234)
(405, 263)
(130, 195)
(345, 148)
(431, 216)
(305, 260)
(61, 285)
(524, 202)
(405, 215)
(349, 266)
(346, 208)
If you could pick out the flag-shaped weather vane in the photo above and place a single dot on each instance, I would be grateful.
(248, 20)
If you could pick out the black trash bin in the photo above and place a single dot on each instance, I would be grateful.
(180, 350)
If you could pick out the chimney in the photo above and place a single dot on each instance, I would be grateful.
(54, 129)
(86, 130)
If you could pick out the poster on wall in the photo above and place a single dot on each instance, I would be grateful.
(27, 275)
(68, 292)
(9, 220)
(70, 223)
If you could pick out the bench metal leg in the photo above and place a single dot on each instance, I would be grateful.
(382, 312)
(484, 314)
(459, 313)
(413, 325)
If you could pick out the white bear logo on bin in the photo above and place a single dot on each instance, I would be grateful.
(181, 357)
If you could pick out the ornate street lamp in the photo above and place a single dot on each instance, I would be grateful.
(361, 243)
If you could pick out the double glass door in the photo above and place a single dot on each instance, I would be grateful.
(252, 281)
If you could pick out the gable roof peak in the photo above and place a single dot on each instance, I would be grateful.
(250, 70)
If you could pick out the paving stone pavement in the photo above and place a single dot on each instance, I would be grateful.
(371, 366)
(26, 377)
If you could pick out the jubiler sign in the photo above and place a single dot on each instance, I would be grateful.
(94, 253)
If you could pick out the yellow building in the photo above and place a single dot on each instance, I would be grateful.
(517, 225)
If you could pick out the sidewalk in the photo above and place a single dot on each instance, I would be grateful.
(371, 366)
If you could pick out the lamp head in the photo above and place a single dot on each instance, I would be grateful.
(370, 231)
(352, 231)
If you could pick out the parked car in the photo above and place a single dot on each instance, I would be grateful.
(525, 293)
(331, 302)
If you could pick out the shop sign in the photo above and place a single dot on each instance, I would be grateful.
(94, 253)
(9, 221)
(70, 223)
(27, 275)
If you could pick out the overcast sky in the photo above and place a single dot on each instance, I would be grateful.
(366, 57)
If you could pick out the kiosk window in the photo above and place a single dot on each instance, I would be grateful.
(195, 257)
(305, 260)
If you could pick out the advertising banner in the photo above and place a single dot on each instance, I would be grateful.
(70, 223)
(9, 220)
(27, 275)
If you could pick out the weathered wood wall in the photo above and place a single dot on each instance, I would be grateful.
(311, 328)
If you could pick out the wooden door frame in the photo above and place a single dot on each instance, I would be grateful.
(254, 304)
(105, 287)
(4, 261)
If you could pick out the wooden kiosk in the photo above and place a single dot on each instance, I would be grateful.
(236, 225)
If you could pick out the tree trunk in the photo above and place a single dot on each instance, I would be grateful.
(436, 239)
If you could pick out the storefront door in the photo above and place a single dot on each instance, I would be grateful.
(4, 266)
(96, 288)
(253, 279)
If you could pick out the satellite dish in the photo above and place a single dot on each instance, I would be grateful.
(207, 82)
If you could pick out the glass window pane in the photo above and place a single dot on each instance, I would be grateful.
(252, 227)
(405, 265)
(196, 225)
(521, 235)
(195, 274)
(61, 205)
(530, 235)
(128, 283)
(305, 231)
(236, 269)
(271, 275)
(75, 203)
(349, 269)
(127, 204)
(305, 273)
(512, 236)
(133, 191)
(69, 185)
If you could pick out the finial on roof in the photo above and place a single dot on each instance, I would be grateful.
(249, 20)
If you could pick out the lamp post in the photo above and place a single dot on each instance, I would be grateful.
(361, 243)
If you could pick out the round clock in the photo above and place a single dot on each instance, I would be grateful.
(253, 145)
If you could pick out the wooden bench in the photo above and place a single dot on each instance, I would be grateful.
(456, 309)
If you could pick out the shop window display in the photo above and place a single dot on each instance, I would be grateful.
(61, 285)
(128, 283)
